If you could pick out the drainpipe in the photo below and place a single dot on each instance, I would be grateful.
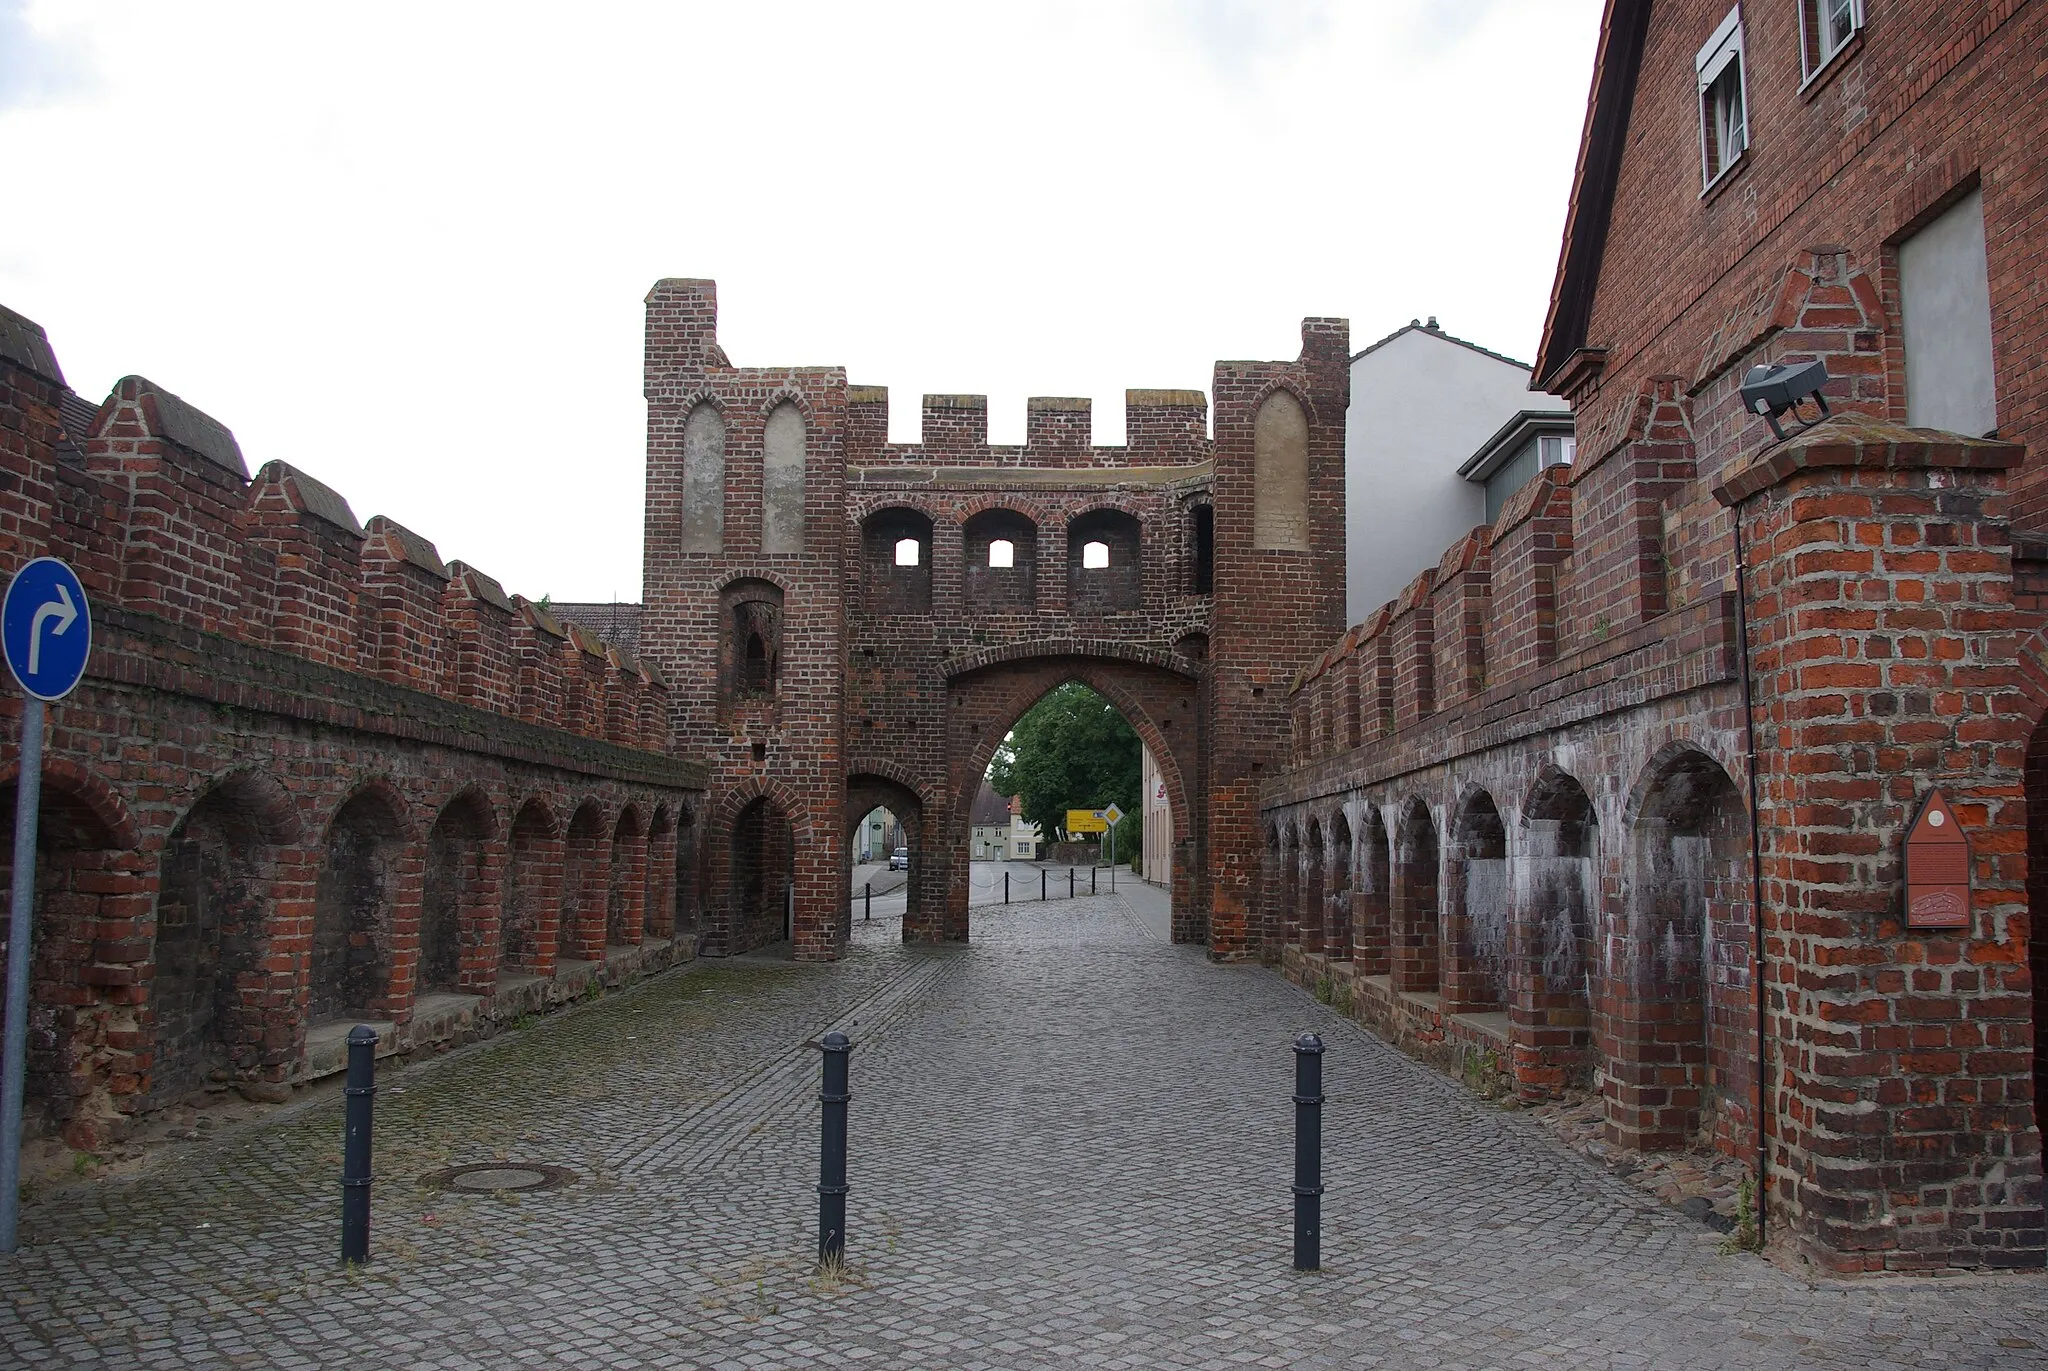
(1756, 888)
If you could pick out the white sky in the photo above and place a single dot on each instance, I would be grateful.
(405, 246)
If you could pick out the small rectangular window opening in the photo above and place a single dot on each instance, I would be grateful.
(1825, 28)
(907, 552)
(1724, 103)
(1002, 553)
(1094, 555)
(1557, 450)
(1205, 550)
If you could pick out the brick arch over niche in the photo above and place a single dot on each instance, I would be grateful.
(1160, 704)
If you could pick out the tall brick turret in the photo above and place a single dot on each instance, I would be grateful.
(1279, 589)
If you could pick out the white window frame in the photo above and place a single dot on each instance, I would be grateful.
(1809, 15)
(1723, 48)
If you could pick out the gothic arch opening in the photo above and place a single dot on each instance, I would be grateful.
(626, 887)
(1290, 885)
(703, 525)
(1122, 710)
(362, 871)
(586, 881)
(760, 877)
(1002, 563)
(1475, 979)
(1312, 905)
(1374, 900)
(529, 918)
(1280, 475)
(1555, 955)
(216, 894)
(750, 663)
(1415, 900)
(1105, 573)
(1680, 1014)
(1337, 923)
(782, 480)
(884, 826)
(896, 561)
(454, 905)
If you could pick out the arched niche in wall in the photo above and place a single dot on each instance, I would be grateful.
(896, 555)
(1105, 571)
(1002, 561)
(703, 527)
(782, 480)
(751, 664)
(1280, 475)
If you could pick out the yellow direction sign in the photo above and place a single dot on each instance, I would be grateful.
(1087, 821)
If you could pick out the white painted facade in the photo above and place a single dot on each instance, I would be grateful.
(1422, 402)
(1156, 862)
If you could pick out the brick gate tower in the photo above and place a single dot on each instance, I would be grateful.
(849, 622)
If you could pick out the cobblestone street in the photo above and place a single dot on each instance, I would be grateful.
(1070, 1147)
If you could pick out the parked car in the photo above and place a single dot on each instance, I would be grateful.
(899, 860)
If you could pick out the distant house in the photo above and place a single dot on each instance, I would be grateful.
(1000, 832)
(879, 834)
(1436, 438)
(1525, 444)
(1156, 821)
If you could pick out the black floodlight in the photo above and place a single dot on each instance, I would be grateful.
(1775, 390)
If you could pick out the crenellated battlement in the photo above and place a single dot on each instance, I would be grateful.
(1464, 631)
(154, 505)
(1162, 428)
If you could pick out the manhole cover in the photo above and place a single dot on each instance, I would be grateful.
(487, 1177)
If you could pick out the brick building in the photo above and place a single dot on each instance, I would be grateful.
(314, 775)
(1539, 799)
(851, 622)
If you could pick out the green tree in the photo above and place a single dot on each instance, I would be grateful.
(1071, 750)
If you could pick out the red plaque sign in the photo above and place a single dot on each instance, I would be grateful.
(1937, 868)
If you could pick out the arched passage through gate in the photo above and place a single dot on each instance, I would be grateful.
(883, 815)
(1161, 702)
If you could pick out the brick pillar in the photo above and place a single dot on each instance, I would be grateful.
(1902, 1133)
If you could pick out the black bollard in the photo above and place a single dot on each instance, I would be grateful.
(832, 1151)
(359, 1093)
(869, 896)
(1070, 883)
(1091, 880)
(1006, 887)
(1308, 1153)
(1041, 883)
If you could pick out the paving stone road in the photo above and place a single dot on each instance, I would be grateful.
(1070, 1147)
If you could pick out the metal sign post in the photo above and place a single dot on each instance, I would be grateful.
(46, 629)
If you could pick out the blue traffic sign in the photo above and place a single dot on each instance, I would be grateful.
(46, 628)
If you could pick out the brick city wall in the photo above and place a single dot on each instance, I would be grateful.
(1546, 861)
(313, 775)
